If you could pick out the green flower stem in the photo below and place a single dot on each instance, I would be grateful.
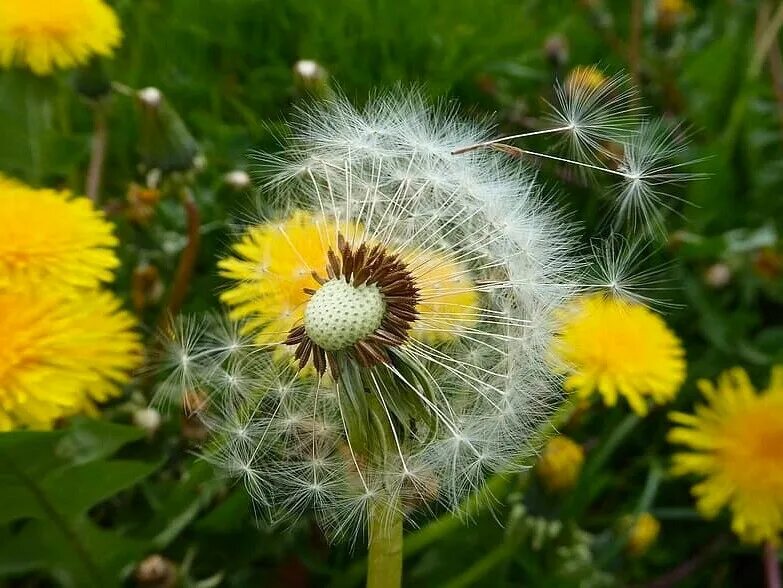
(384, 560)
(471, 507)
(98, 144)
(187, 259)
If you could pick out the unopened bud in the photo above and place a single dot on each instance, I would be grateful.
(193, 427)
(311, 78)
(642, 533)
(768, 263)
(560, 464)
(237, 179)
(556, 50)
(155, 571)
(670, 13)
(91, 80)
(147, 419)
(146, 286)
(142, 203)
(164, 141)
(718, 275)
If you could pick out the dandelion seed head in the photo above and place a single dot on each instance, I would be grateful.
(390, 316)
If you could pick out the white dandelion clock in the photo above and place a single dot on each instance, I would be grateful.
(394, 317)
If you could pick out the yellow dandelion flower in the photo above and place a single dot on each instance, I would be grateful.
(51, 236)
(43, 35)
(274, 280)
(7, 183)
(560, 463)
(61, 353)
(643, 531)
(736, 445)
(620, 348)
(670, 12)
(584, 78)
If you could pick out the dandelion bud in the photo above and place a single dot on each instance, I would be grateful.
(718, 275)
(311, 78)
(147, 419)
(642, 533)
(670, 13)
(146, 286)
(237, 179)
(193, 427)
(560, 464)
(91, 81)
(155, 571)
(164, 141)
(768, 263)
(556, 50)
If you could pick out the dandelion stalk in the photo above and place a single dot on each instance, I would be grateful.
(98, 145)
(384, 560)
(188, 257)
(390, 319)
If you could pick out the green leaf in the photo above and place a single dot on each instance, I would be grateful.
(48, 483)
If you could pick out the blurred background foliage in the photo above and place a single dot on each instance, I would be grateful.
(100, 500)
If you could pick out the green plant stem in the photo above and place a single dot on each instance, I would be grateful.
(765, 41)
(384, 559)
(98, 145)
(187, 260)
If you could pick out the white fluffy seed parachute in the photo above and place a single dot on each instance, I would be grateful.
(389, 321)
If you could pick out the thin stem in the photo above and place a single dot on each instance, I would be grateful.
(635, 42)
(765, 42)
(384, 560)
(187, 260)
(680, 573)
(98, 144)
(771, 566)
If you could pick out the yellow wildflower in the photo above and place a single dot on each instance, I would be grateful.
(642, 533)
(620, 348)
(735, 443)
(50, 237)
(61, 353)
(560, 463)
(43, 35)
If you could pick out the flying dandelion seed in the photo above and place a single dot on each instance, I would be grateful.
(391, 318)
